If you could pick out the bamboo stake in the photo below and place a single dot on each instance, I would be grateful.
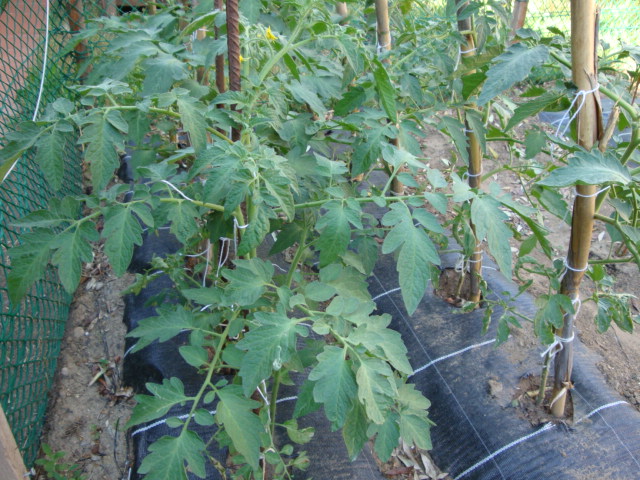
(583, 54)
(384, 43)
(233, 47)
(11, 464)
(342, 10)
(518, 16)
(202, 73)
(475, 158)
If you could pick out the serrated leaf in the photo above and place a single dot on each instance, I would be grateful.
(305, 95)
(354, 431)
(376, 387)
(386, 91)
(416, 429)
(417, 254)
(438, 201)
(335, 232)
(387, 436)
(428, 220)
(115, 118)
(351, 100)
(163, 396)
(29, 261)
(534, 142)
(335, 386)
(102, 142)
(249, 280)
(280, 189)
(193, 122)
(298, 435)
(257, 230)
(471, 82)
(169, 323)
(489, 221)
(170, 458)
(384, 342)
(268, 346)
(455, 130)
(240, 423)
(122, 231)
(193, 355)
(73, 248)
(50, 157)
(589, 168)
(551, 309)
(161, 72)
(526, 110)
(511, 67)
(305, 403)
(182, 216)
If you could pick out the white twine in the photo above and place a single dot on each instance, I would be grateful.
(546, 427)
(444, 357)
(582, 95)
(206, 264)
(557, 345)
(578, 194)
(477, 252)
(385, 293)
(177, 190)
(42, 77)
(599, 409)
(236, 226)
(569, 267)
(464, 52)
(381, 48)
(224, 249)
(186, 415)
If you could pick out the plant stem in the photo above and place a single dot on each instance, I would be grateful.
(543, 379)
(296, 259)
(273, 401)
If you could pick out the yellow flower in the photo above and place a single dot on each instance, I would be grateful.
(241, 58)
(269, 35)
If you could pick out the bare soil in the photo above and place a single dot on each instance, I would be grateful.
(89, 409)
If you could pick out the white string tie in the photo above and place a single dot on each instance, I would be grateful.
(557, 345)
(236, 226)
(223, 256)
(466, 175)
(382, 48)
(578, 194)
(477, 252)
(464, 52)
(385, 293)
(582, 95)
(206, 263)
(177, 190)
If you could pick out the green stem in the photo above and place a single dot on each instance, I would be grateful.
(296, 259)
(273, 402)
(609, 260)
(543, 379)
(213, 366)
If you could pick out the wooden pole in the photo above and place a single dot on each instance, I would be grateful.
(11, 464)
(583, 54)
(233, 48)
(384, 44)
(341, 9)
(468, 49)
(75, 9)
(519, 15)
(202, 73)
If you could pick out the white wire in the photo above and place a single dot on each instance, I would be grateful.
(42, 77)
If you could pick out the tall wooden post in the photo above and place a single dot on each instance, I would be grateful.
(518, 15)
(11, 464)
(468, 49)
(584, 73)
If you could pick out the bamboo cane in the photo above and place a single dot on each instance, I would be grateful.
(233, 48)
(468, 49)
(384, 43)
(519, 15)
(341, 9)
(583, 53)
(202, 73)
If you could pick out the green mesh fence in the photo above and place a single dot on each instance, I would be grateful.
(619, 19)
(33, 72)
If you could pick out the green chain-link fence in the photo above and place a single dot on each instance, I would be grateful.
(619, 19)
(33, 72)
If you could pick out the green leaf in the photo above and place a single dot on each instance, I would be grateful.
(386, 91)
(511, 67)
(182, 215)
(249, 280)
(240, 423)
(168, 455)
(350, 101)
(526, 110)
(417, 254)
(169, 323)
(29, 261)
(376, 387)
(476, 125)
(551, 309)
(193, 122)
(438, 201)
(589, 168)
(382, 341)
(304, 95)
(19, 142)
(455, 130)
(534, 142)
(297, 435)
(335, 385)
(163, 396)
(305, 403)
(257, 230)
(387, 436)
(73, 248)
(335, 232)
(268, 346)
(489, 221)
(102, 142)
(122, 231)
(194, 356)
(354, 431)
(50, 157)
(471, 82)
(416, 429)
(161, 72)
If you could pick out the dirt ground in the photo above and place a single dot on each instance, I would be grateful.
(89, 409)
